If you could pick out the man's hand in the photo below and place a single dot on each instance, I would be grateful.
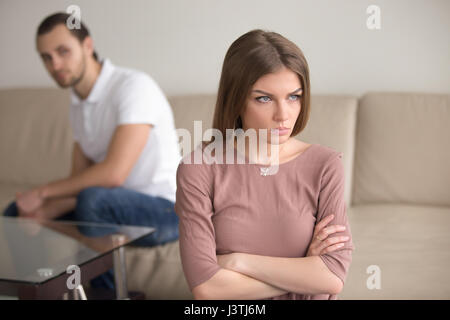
(38, 214)
(28, 202)
(20, 211)
(50, 208)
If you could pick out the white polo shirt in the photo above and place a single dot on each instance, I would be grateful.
(126, 96)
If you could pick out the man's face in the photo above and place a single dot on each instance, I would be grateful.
(63, 55)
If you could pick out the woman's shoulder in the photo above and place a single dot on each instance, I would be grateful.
(328, 161)
(324, 154)
(195, 163)
(198, 156)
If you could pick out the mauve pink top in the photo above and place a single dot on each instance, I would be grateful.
(225, 208)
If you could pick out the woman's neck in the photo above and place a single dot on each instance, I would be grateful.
(268, 155)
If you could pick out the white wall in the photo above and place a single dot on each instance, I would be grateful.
(181, 44)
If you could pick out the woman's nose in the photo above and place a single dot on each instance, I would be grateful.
(281, 112)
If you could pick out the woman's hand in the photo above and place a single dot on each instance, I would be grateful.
(321, 243)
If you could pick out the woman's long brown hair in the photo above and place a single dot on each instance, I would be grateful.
(250, 57)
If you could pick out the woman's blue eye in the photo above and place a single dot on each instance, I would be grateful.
(294, 97)
(263, 99)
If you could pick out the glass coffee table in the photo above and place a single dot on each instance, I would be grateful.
(53, 259)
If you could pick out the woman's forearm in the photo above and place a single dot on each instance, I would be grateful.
(307, 275)
(228, 284)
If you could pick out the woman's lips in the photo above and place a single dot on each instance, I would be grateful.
(281, 132)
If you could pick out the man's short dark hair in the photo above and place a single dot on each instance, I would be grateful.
(55, 19)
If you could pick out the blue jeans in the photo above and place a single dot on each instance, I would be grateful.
(122, 206)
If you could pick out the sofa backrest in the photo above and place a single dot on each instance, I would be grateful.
(403, 149)
(331, 123)
(36, 139)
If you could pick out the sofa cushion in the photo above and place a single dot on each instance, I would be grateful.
(189, 108)
(410, 246)
(332, 123)
(35, 137)
(157, 272)
(402, 149)
(408, 243)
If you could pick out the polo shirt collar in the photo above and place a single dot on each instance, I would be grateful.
(103, 78)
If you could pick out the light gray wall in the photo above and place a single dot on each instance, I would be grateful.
(181, 44)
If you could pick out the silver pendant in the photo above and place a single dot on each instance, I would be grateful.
(264, 171)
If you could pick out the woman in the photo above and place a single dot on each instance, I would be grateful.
(246, 234)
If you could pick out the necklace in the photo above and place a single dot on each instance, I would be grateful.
(264, 171)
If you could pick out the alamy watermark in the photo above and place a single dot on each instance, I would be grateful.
(222, 149)
(374, 280)
(373, 22)
(74, 280)
(74, 21)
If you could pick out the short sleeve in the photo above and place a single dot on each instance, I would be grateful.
(194, 208)
(332, 201)
(74, 119)
(140, 101)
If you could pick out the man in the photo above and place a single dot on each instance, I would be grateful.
(125, 152)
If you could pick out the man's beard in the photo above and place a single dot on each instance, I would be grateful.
(74, 81)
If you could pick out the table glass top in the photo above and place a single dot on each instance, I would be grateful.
(34, 251)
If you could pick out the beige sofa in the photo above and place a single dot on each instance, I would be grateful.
(397, 158)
